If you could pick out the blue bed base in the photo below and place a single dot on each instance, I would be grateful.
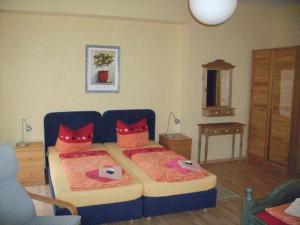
(154, 206)
(104, 131)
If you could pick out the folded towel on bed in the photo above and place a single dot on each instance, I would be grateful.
(94, 174)
(189, 165)
(113, 172)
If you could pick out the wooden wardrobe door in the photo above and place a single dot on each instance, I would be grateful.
(281, 109)
(260, 103)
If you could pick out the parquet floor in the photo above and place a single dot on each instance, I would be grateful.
(234, 175)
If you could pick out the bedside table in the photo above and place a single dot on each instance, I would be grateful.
(180, 144)
(31, 159)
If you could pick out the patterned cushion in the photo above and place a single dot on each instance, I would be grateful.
(133, 135)
(278, 212)
(69, 140)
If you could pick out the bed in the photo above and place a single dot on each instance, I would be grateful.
(95, 206)
(158, 197)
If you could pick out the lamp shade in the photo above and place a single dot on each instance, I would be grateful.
(212, 12)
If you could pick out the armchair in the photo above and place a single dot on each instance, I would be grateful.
(16, 206)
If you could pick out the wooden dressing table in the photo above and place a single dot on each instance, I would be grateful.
(214, 129)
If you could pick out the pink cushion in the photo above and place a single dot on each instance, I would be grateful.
(268, 219)
(69, 140)
(133, 135)
(278, 212)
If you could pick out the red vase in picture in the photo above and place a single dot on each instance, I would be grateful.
(103, 76)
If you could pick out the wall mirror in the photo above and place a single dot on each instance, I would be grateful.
(217, 85)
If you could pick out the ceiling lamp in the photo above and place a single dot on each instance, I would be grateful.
(212, 12)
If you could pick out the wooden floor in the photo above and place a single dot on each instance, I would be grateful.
(234, 175)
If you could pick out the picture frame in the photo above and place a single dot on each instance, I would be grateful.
(102, 70)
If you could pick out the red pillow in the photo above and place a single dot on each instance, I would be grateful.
(69, 140)
(279, 213)
(268, 219)
(133, 135)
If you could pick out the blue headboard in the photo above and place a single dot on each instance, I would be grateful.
(72, 120)
(128, 116)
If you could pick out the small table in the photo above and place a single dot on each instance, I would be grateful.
(31, 159)
(179, 143)
(214, 129)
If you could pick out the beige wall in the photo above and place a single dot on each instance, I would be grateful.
(159, 10)
(252, 26)
(42, 55)
(42, 68)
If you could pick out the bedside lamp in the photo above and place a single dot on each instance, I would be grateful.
(176, 120)
(28, 128)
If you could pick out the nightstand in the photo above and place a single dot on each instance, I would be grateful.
(31, 159)
(180, 144)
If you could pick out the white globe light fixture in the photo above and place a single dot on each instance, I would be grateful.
(212, 12)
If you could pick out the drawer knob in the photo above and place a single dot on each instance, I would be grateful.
(237, 130)
(215, 131)
(226, 131)
(227, 112)
(216, 112)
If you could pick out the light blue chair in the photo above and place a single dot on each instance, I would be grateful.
(16, 206)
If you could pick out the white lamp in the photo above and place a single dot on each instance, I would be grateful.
(28, 128)
(212, 12)
(176, 120)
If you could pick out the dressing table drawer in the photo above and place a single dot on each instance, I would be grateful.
(214, 111)
(220, 131)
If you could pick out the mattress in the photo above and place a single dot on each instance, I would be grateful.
(153, 188)
(62, 190)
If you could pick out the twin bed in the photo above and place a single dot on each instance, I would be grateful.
(143, 196)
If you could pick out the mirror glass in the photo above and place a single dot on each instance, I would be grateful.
(217, 88)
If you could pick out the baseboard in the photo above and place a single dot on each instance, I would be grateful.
(222, 160)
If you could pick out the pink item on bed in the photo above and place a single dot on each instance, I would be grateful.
(174, 164)
(76, 168)
(155, 164)
(131, 152)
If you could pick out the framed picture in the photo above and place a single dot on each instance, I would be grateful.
(102, 72)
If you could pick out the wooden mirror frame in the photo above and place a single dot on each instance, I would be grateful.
(211, 111)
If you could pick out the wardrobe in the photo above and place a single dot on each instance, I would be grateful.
(274, 123)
